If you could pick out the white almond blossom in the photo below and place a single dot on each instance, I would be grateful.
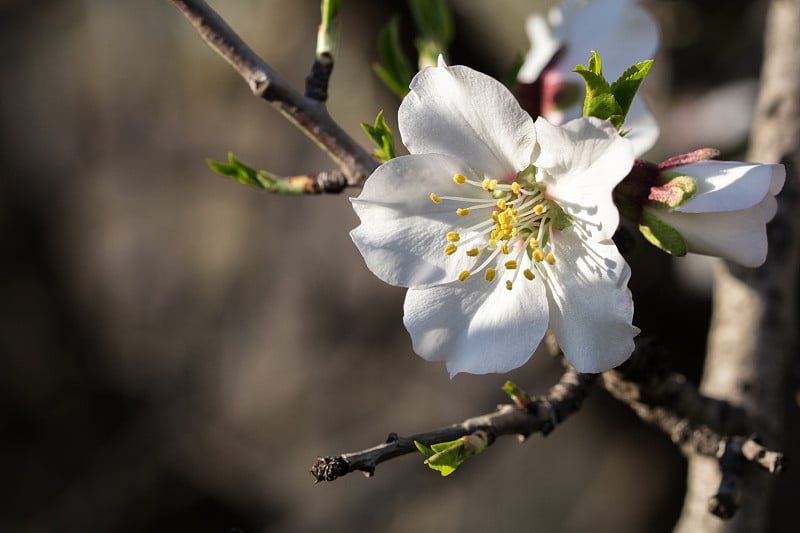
(499, 226)
(728, 214)
(622, 32)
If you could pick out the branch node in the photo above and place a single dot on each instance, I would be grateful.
(317, 80)
(329, 468)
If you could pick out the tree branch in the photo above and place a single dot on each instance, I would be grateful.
(309, 115)
(539, 415)
(697, 424)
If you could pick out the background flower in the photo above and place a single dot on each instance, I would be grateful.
(728, 215)
(621, 31)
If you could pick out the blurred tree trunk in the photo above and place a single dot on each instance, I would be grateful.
(753, 334)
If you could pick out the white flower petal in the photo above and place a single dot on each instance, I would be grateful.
(778, 179)
(402, 232)
(584, 160)
(544, 45)
(621, 31)
(729, 185)
(470, 116)
(590, 305)
(739, 236)
(475, 326)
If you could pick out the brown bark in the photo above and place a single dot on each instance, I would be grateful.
(753, 334)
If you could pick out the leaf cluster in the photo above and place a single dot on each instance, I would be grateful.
(610, 101)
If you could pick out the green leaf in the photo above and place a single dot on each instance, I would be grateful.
(259, 179)
(445, 457)
(434, 26)
(626, 86)
(432, 20)
(662, 235)
(595, 64)
(610, 101)
(242, 173)
(328, 33)
(599, 101)
(381, 135)
(517, 395)
(394, 67)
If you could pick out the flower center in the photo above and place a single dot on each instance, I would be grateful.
(510, 231)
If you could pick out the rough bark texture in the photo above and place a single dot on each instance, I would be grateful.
(754, 325)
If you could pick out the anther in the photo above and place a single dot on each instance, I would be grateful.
(538, 256)
(504, 249)
(550, 258)
(462, 211)
(450, 249)
(528, 274)
(501, 204)
(435, 199)
(460, 179)
(538, 209)
(453, 236)
(464, 275)
(534, 243)
(492, 243)
(473, 252)
(490, 274)
(509, 285)
(515, 187)
(492, 184)
(485, 184)
(511, 265)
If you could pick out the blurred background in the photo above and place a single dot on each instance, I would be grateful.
(177, 349)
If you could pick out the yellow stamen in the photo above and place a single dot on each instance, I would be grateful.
(460, 179)
(534, 243)
(494, 215)
(504, 249)
(501, 204)
(435, 199)
(538, 256)
(462, 211)
(514, 232)
(492, 184)
(509, 285)
(453, 236)
(450, 249)
(485, 184)
(528, 274)
(473, 252)
(515, 187)
(550, 258)
(464, 275)
(511, 265)
(538, 209)
(492, 243)
(490, 274)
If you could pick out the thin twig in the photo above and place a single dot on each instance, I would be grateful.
(541, 415)
(309, 115)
